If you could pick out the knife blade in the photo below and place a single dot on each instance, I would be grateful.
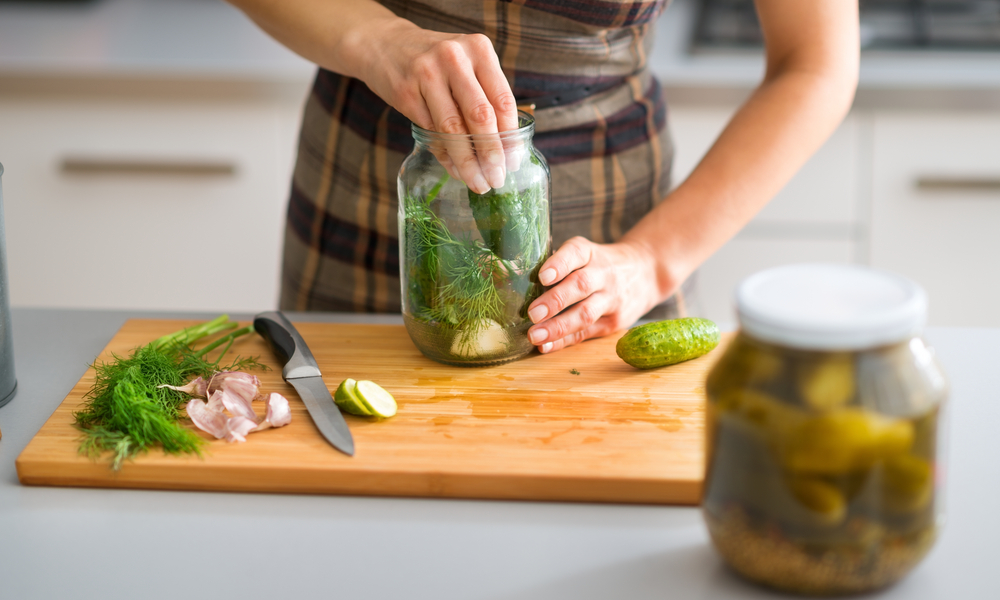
(302, 372)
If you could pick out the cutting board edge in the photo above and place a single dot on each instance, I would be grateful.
(36, 473)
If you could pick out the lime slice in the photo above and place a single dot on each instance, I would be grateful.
(347, 399)
(377, 400)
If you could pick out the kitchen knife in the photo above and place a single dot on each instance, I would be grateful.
(301, 371)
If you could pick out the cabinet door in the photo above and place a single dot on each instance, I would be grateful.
(824, 192)
(936, 210)
(815, 218)
(145, 205)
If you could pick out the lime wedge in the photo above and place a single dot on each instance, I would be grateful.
(347, 399)
(377, 400)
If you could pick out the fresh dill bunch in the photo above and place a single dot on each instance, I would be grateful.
(126, 412)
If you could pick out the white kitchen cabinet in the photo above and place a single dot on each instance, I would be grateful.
(825, 191)
(195, 223)
(819, 216)
(936, 210)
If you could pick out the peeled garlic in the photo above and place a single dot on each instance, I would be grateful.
(485, 337)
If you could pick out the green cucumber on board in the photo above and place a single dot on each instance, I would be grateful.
(667, 342)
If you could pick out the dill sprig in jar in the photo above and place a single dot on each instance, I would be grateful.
(469, 261)
(823, 466)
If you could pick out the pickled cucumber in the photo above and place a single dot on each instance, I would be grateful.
(821, 498)
(908, 484)
(841, 441)
(827, 383)
(746, 364)
(775, 420)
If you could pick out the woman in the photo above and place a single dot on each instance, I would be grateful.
(625, 244)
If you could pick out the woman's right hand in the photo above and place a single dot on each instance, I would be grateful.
(444, 82)
(448, 83)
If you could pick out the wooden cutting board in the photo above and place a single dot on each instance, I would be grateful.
(575, 425)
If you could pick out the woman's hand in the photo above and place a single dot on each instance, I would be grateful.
(444, 82)
(448, 83)
(598, 289)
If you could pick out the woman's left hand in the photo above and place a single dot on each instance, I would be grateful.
(598, 289)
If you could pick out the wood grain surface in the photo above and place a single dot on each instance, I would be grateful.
(527, 430)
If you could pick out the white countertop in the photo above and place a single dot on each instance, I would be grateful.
(108, 544)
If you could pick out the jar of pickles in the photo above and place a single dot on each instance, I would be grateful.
(823, 428)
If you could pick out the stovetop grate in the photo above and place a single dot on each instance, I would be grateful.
(885, 25)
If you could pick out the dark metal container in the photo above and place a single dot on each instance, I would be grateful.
(8, 383)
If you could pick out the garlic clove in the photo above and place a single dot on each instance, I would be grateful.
(239, 406)
(197, 387)
(278, 412)
(237, 429)
(205, 419)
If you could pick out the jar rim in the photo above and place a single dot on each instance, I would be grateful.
(526, 127)
(817, 306)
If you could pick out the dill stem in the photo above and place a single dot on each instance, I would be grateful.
(229, 338)
(437, 188)
(195, 332)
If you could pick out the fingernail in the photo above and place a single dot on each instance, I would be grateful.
(495, 158)
(538, 313)
(497, 177)
(547, 276)
(514, 160)
(479, 185)
(537, 335)
(546, 347)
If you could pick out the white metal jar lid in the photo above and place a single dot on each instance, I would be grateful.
(830, 307)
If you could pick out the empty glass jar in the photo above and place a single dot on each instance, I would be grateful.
(469, 261)
(824, 424)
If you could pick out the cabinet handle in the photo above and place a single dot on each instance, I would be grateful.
(74, 165)
(958, 184)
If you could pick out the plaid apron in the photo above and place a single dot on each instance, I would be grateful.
(609, 152)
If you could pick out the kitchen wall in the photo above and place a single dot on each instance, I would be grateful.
(148, 147)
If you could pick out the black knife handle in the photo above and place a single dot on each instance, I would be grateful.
(286, 342)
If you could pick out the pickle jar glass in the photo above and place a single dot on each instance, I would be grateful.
(469, 261)
(824, 429)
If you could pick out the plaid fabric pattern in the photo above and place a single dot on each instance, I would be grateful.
(609, 155)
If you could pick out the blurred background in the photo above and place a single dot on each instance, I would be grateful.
(148, 146)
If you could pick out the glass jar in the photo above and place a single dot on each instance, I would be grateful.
(823, 464)
(469, 262)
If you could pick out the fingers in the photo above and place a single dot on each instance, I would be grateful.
(576, 325)
(572, 255)
(487, 105)
(448, 118)
(464, 91)
(576, 300)
(500, 97)
(494, 83)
